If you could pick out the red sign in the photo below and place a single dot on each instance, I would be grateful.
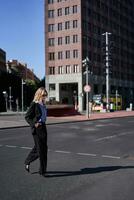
(87, 88)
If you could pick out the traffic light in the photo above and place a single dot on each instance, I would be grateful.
(85, 62)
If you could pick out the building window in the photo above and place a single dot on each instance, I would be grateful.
(51, 42)
(59, 40)
(51, 70)
(67, 25)
(68, 69)
(75, 38)
(67, 54)
(50, 13)
(60, 69)
(67, 11)
(75, 23)
(50, 27)
(59, 12)
(59, 0)
(51, 86)
(75, 53)
(75, 9)
(60, 55)
(75, 68)
(50, 1)
(67, 40)
(51, 56)
(59, 26)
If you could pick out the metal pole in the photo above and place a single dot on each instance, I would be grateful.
(116, 99)
(10, 98)
(6, 103)
(87, 94)
(107, 70)
(107, 74)
(17, 103)
(22, 105)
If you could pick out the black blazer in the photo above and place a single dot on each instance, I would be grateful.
(33, 115)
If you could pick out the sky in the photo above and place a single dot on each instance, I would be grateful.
(22, 33)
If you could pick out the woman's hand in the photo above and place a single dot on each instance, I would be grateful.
(37, 124)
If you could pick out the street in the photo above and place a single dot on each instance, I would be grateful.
(86, 160)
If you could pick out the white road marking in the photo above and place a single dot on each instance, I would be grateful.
(62, 151)
(109, 124)
(113, 124)
(114, 157)
(11, 146)
(89, 129)
(113, 136)
(105, 138)
(26, 147)
(100, 125)
(86, 154)
(65, 152)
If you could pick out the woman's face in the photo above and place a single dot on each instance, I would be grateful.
(43, 96)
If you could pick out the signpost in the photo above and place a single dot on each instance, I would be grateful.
(87, 88)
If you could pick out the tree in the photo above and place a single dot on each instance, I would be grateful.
(15, 82)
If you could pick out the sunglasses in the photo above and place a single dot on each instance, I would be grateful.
(44, 95)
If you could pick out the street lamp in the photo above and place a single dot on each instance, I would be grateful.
(5, 96)
(107, 69)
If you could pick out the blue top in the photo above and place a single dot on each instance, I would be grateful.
(44, 113)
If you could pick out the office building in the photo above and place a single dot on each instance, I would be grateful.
(73, 31)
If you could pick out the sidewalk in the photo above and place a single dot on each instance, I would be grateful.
(14, 120)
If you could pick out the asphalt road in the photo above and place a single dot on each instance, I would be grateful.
(86, 160)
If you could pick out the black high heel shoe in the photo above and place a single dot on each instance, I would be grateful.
(27, 168)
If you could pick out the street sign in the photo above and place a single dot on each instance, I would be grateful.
(87, 88)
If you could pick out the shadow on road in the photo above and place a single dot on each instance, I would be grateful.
(83, 171)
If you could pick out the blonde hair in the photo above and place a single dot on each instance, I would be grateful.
(38, 94)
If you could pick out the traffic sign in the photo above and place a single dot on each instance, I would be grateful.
(87, 88)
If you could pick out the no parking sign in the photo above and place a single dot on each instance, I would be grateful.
(87, 88)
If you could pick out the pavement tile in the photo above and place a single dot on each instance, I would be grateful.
(17, 120)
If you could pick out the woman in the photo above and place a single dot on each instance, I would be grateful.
(36, 118)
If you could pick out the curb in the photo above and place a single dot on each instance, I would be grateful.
(13, 127)
(63, 122)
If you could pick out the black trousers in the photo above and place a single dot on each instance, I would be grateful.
(40, 148)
